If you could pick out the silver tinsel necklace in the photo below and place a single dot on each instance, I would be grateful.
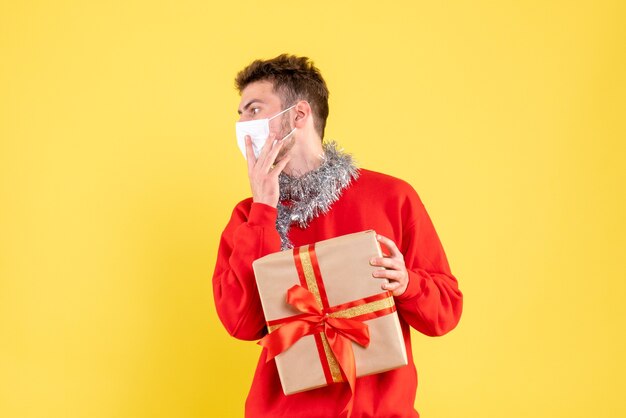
(303, 198)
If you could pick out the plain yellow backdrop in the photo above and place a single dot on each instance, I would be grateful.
(119, 170)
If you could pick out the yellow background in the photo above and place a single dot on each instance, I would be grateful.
(119, 169)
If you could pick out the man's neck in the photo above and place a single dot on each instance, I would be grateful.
(306, 156)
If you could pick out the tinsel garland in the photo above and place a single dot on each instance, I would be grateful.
(312, 194)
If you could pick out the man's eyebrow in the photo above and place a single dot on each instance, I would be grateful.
(247, 105)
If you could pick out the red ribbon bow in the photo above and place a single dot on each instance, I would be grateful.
(339, 332)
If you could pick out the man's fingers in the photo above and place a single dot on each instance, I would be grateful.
(280, 166)
(394, 275)
(390, 286)
(267, 149)
(273, 153)
(387, 262)
(268, 154)
(250, 154)
(393, 249)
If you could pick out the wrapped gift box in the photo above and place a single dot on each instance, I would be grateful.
(338, 274)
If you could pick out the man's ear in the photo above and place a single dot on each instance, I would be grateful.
(304, 113)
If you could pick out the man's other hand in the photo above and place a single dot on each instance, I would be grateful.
(395, 270)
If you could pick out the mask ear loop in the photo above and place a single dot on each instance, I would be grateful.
(289, 134)
(278, 114)
(281, 112)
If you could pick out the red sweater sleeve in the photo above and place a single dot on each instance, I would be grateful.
(432, 302)
(250, 234)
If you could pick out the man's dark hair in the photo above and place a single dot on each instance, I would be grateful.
(294, 78)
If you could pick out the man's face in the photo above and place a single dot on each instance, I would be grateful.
(259, 101)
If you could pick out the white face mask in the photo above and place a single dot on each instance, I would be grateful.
(258, 130)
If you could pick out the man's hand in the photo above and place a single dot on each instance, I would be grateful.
(262, 172)
(395, 270)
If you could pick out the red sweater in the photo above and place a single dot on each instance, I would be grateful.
(431, 304)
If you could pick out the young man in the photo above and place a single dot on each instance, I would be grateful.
(303, 191)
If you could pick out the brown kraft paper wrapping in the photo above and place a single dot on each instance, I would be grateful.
(347, 277)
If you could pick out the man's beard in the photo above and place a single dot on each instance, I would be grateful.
(289, 142)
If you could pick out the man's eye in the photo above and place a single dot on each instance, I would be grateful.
(254, 110)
